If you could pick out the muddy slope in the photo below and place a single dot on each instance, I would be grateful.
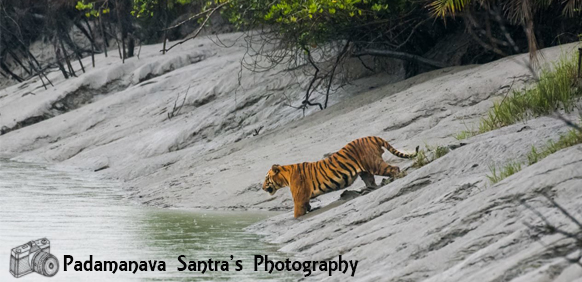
(442, 222)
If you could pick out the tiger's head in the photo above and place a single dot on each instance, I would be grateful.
(274, 180)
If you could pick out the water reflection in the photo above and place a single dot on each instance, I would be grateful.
(83, 216)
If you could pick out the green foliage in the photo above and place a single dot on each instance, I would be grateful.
(464, 134)
(421, 159)
(90, 9)
(533, 156)
(555, 90)
(517, 9)
(442, 8)
(427, 156)
(506, 171)
(143, 8)
(147, 8)
(468, 132)
(311, 22)
(140, 8)
(83, 6)
(569, 139)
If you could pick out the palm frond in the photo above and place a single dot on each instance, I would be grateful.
(572, 7)
(443, 8)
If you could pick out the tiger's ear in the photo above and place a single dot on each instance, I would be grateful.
(276, 168)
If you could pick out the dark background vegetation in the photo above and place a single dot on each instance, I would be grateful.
(319, 35)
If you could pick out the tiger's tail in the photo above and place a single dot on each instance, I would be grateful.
(395, 152)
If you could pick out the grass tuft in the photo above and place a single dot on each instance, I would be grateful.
(504, 172)
(427, 156)
(464, 134)
(555, 90)
(468, 132)
(571, 138)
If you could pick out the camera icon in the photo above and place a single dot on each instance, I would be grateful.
(33, 256)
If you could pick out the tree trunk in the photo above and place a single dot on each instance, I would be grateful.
(34, 59)
(116, 39)
(58, 55)
(18, 61)
(8, 71)
(139, 50)
(78, 24)
(126, 27)
(121, 31)
(40, 70)
(130, 46)
(92, 42)
(66, 56)
(165, 25)
(75, 49)
(37, 71)
(105, 43)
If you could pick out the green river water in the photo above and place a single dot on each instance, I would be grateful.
(82, 215)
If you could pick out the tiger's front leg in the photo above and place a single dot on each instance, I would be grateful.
(301, 195)
(300, 209)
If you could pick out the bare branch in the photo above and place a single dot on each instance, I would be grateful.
(340, 56)
(208, 15)
(307, 93)
(195, 16)
(176, 109)
(401, 56)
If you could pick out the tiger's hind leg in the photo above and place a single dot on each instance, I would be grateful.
(383, 169)
(368, 179)
(387, 181)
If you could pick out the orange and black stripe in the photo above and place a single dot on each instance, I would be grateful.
(361, 157)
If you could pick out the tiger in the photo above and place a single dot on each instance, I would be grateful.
(361, 157)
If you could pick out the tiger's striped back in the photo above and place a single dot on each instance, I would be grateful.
(361, 157)
(341, 168)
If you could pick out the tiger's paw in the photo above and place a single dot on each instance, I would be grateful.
(350, 194)
(400, 174)
(386, 181)
(367, 190)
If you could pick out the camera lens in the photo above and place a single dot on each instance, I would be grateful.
(45, 264)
